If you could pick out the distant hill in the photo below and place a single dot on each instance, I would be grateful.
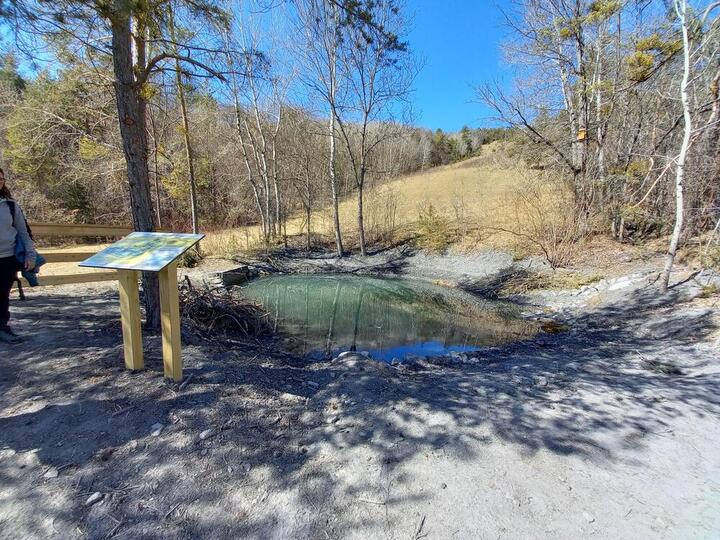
(474, 191)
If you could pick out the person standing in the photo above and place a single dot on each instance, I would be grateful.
(12, 229)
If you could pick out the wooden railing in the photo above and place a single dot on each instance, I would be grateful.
(46, 230)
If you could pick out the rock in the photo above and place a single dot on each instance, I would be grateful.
(395, 362)
(52, 472)
(156, 429)
(588, 517)
(540, 380)
(207, 434)
(94, 498)
(236, 276)
(215, 377)
(246, 467)
(345, 354)
(443, 485)
(331, 419)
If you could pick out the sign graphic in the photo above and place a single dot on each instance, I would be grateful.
(146, 251)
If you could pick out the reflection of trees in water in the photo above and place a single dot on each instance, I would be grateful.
(369, 313)
(331, 327)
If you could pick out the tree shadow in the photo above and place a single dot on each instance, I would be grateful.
(294, 445)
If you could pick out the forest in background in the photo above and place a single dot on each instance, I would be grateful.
(237, 125)
(613, 106)
(64, 152)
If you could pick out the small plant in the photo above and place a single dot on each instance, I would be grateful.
(434, 229)
(711, 289)
(710, 257)
(664, 368)
(191, 258)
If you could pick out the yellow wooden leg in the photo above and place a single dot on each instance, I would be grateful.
(170, 320)
(130, 316)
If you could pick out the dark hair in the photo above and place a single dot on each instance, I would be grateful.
(4, 191)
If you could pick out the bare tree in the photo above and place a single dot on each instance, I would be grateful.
(185, 127)
(685, 23)
(378, 76)
(319, 23)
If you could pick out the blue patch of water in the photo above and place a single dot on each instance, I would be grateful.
(390, 318)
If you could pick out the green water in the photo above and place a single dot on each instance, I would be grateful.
(387, 317)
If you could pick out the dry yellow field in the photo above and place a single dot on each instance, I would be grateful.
(478, 192)
(472, 192)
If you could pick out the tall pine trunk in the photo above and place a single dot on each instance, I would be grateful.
(131, 115)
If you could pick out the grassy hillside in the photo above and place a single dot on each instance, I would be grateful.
(472, 200)
(474, 192)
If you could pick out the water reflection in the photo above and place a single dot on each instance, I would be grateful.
(390, 318)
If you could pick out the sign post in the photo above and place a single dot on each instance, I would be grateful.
(148, 252)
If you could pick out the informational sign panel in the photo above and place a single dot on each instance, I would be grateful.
(145, 251)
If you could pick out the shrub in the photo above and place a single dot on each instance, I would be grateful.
(434, 229)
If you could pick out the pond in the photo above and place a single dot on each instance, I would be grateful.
(389, 318)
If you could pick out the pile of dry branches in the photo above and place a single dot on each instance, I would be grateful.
(212, 313)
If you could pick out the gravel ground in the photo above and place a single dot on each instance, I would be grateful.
(608, 429)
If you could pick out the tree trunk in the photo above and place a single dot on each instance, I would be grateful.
(274, 158)
(308, 210)
(131, 115)
(307, 234)
(188, 153)
(333, 180)
(156, 173)
(333, 188)
(186, 128)
(360, 217)
(681, 10)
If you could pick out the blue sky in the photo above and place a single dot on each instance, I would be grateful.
(459, 40)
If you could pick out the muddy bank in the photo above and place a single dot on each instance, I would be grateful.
(579, 433)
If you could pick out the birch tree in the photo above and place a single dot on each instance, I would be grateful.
(685, 23)
(319, 24)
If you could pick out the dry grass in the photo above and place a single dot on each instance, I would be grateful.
(483, 200)
(522, 283)
(469, 195)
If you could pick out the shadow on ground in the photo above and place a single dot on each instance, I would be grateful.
(312, 438)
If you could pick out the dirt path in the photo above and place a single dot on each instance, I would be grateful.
(576, 434)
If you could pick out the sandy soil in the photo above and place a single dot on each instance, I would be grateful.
(607, 430)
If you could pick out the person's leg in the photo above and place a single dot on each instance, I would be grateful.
(8, 273)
